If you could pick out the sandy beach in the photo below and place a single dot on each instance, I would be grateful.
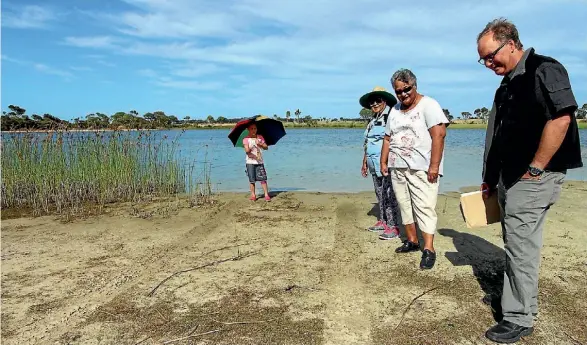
(301, 269)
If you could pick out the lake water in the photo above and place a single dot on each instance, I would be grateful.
(329, 160)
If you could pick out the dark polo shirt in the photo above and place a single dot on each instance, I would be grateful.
(536, 91)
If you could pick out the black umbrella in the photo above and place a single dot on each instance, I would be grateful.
(272, 130)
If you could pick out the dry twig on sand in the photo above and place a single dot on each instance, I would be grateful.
(108, 313)
(294, 286)
(191, 336)
(234, 258)
(414, 300)
(142, 341)
(223, 248)
(577, 342)
(244, 322)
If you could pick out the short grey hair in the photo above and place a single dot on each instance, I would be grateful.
(405, 76)
(503, 30)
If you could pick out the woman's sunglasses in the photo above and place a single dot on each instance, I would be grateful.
(375, 102)
(405, 90)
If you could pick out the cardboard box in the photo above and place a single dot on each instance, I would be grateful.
(478, 212)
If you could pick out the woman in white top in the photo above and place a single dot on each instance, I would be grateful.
(412, 155)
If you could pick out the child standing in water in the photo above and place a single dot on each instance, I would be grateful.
(253, 144)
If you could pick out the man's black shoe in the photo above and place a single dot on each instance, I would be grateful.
(428, 260)
(408, 247)
(506, 332)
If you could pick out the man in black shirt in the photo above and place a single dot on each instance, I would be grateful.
(532, 139)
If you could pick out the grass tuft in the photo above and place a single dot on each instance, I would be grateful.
(66, 172)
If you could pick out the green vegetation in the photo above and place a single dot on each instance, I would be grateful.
(466, 125)
(17, 120)
(476, 124)
(64, 172)
(455, 124)
(292, 125)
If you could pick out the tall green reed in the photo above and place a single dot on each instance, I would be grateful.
(64, 171)
(200, 185)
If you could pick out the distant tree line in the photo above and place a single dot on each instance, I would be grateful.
(366, 114)
(478, 114)
(483, 114)
(581, 113)
(17, 119)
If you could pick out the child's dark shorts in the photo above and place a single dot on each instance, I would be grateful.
(256, 172)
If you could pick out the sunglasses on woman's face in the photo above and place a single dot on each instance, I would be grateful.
(405, 90)
(375, 103)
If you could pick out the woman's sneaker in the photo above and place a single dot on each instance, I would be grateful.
(389, 233)
(379, 226)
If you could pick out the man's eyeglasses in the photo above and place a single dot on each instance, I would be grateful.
(405, 90)
(489, 57)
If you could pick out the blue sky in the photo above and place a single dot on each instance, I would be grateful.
(244, 57)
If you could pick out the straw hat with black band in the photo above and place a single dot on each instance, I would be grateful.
(378, 92)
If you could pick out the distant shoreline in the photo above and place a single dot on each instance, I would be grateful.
(86, 130)
(357, 126)
(459, 124)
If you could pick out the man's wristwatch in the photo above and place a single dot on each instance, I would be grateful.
(535, 172)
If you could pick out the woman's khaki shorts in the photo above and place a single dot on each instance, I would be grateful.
(416, 197)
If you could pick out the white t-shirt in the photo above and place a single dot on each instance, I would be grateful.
(255, 156)
(410, 141)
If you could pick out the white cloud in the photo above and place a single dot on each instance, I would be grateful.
(447, 76)
(147, 72)
(100, 59)
(293, 50)
(106, 63)
(196, 70)
(51, 70)
(67, 75)
(188, 51)
(194, 18)
(81, 68)
(189, 84)
(354, 33)
(27, 17)
(175, 83)
(92, 42)
(149, 25)
(95, 56)
(10, 59)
